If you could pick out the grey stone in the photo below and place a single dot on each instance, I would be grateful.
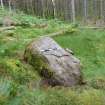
(53, 63)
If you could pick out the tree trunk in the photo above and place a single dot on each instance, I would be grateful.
(85, 10)
(9, 4)
(101, 8)
(73, 10)
(53, 1)
(1, 3)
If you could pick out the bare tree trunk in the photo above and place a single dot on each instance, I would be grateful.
(1, 3)
(101, 8)
(9, 4)
(53, 1)
(73, 10)
(85, 10)
(43, 7)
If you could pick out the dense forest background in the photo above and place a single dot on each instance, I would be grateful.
(87, 11)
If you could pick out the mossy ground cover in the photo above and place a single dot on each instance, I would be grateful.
(88, 46)
(20, 83)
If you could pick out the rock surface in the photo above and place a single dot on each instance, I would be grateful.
(53, 63)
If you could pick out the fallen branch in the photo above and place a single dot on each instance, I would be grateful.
(61, 32)
(7, 28)
(55, 34)
(92, 27)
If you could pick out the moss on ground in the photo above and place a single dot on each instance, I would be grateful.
(38, 61)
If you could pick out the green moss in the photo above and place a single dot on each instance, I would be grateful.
(39, 62)
(98, 83)
(91, 97)
(20, 72)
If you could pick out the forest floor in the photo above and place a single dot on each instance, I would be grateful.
(20, 83)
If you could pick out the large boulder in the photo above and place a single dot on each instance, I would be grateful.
(53, 63)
